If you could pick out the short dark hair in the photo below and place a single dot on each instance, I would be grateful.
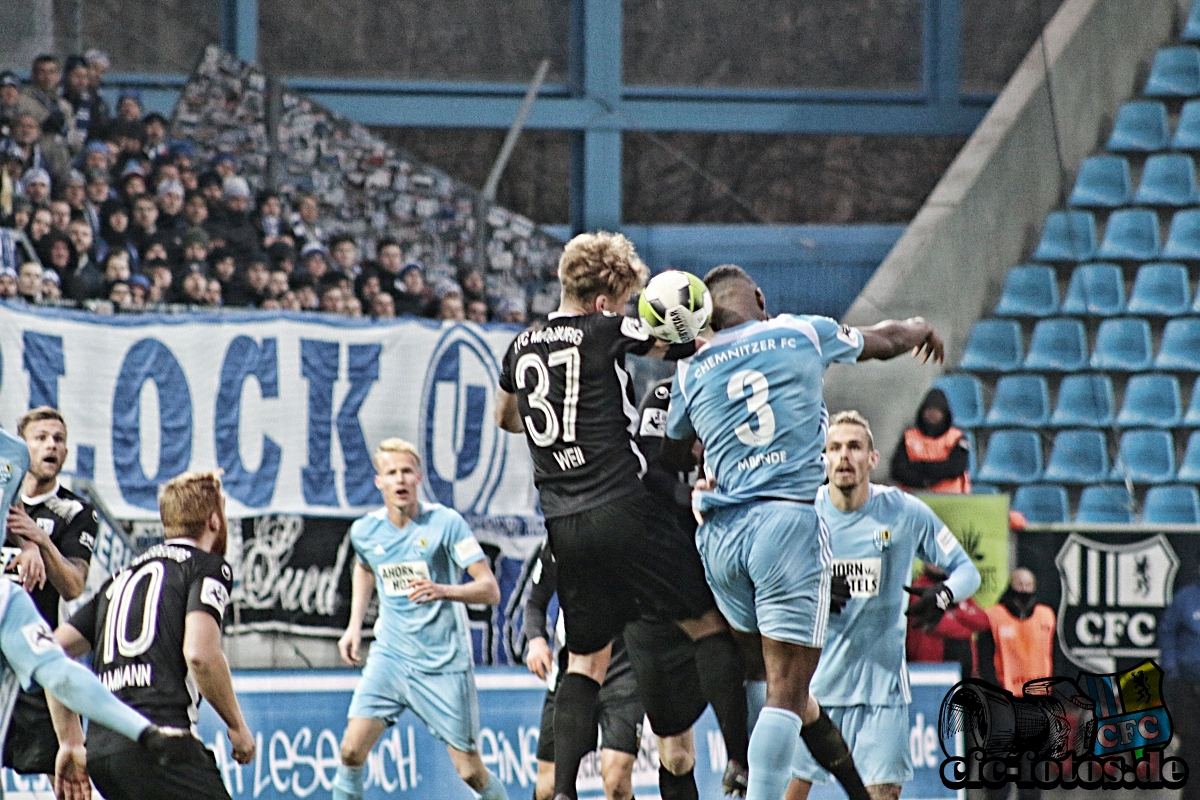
(37, 415)
(43, 58)
(726, 273)
(386, 241)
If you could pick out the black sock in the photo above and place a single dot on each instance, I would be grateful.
(829, 749)
(677, 787)
(574, 728)
(723, 683)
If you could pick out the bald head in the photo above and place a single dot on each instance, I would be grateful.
(1022, 580)
(736, 297)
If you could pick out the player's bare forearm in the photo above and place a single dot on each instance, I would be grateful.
(891, 338)
(67, 726)
(71, 640)
(67, 575)
(206, 660)
(481, 590)
(508, 415)
(362, 586)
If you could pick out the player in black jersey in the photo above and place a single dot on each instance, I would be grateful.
(155, 627)
(619, 552)
(55, 530)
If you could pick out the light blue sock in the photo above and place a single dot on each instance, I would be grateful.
(494, 790)
(348, 783)
(756, 698)
(772, 747)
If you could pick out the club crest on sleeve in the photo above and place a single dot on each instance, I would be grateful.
(214, 593)
(39, 637)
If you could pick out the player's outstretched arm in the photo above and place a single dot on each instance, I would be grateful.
(362, 584)
(67, 575)
(508, 415)
(890, 338)
(481, 590)
(206, 660)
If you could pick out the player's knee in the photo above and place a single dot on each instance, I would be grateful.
(353, 754)
(675, 756)
(884, 791)
(472, 772)
(618, 784)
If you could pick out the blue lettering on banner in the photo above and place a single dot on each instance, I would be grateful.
(150, 360)
(462, 451)
(244, 359)
(43, 360)
(359, 473)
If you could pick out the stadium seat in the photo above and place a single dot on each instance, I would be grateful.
(1187, 132)
(1084, 401)
(1123, 345)
(1021, 401)
(1013, 456)
(1191, 28)
(1141, 127)
(1105, 503)
(1189, 468)
(1180, 348)
(1172, 505)
(1077, 457)
(1103, 182)
(1168, 179)
(1068, 236)
(1095, 290)
(994, 346)
(965, 394)
(1151, 401)
(1029, 291)
(1131, 234)
(984, 488)
(1191, 417)
(1058, 345)
(972, 461)
(1176, 73)
(1183, 238)
(1041, 503)
(1160, 290)
(1145, 456)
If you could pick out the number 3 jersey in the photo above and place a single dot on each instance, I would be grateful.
(135, 624)
(576, 402)
(753, 396)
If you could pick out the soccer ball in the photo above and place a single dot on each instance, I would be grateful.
(676, 305)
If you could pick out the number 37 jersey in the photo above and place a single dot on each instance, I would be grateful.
(753, 396)
(576, 403)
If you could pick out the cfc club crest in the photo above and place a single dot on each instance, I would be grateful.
(883, 539)
(1130, 713)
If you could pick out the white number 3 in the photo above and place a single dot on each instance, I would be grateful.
(756, 404)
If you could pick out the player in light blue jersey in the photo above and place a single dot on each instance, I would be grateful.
(753, 397)
(875, 532)
(413, 554)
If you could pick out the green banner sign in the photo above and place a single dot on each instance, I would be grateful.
(980, 523)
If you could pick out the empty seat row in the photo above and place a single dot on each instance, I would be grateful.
(1047, 503)
(1060, 344)
(1081, 457)
(1098, 290)
(1105, 181)
(1131, 234)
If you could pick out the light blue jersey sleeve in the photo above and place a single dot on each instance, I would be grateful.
(936, 544)
(26, 638)
(464, 549)
(840, 344)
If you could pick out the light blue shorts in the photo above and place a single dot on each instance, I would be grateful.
(446, 702)
(877, 738)
(769, 566)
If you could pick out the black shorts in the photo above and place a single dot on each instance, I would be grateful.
(130, 773)
(619, 713)
(620, 561)
(664, 661)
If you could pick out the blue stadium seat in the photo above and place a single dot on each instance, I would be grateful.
(1180, 348)
(1013, 456)
(1145, 456)
(1191, 417)
(1172, 505)
(984, 488)
(1041, 503)
(1077, 457)
(1103, 182)
(1189, 469)
(1029, 291)
(965, 394)
(1168, 179)
(1183, 238)
(1105, 503)
(972, 461)
(1068, 236)
(1123, 345)
(1191, 28)
(1021, 401)
(1095, 290)
(1187, 133)
(1160, 290)
(994, 346)
(1151, 401)
(1176, 73)
(1141, 127)
(1084, 401)
(1058, 345)
(1131, 234)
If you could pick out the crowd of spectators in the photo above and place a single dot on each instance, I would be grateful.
(123, 218)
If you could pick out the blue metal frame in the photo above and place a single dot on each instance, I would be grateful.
(597, 106)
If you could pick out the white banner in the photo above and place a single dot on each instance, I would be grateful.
(291, 406)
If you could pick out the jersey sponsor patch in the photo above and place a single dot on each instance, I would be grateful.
(39, 637)
(946, 541)
(214, 593)
(46, 524)
(398, 577)
(654, 423)
(635, 328)
(849, 335)
(87, 540)
(862, 574)
(467, 548)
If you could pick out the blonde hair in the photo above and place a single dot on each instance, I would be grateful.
(601, 263)
(395, 445)
(187, 501)
(37, 415)
(854, 418)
